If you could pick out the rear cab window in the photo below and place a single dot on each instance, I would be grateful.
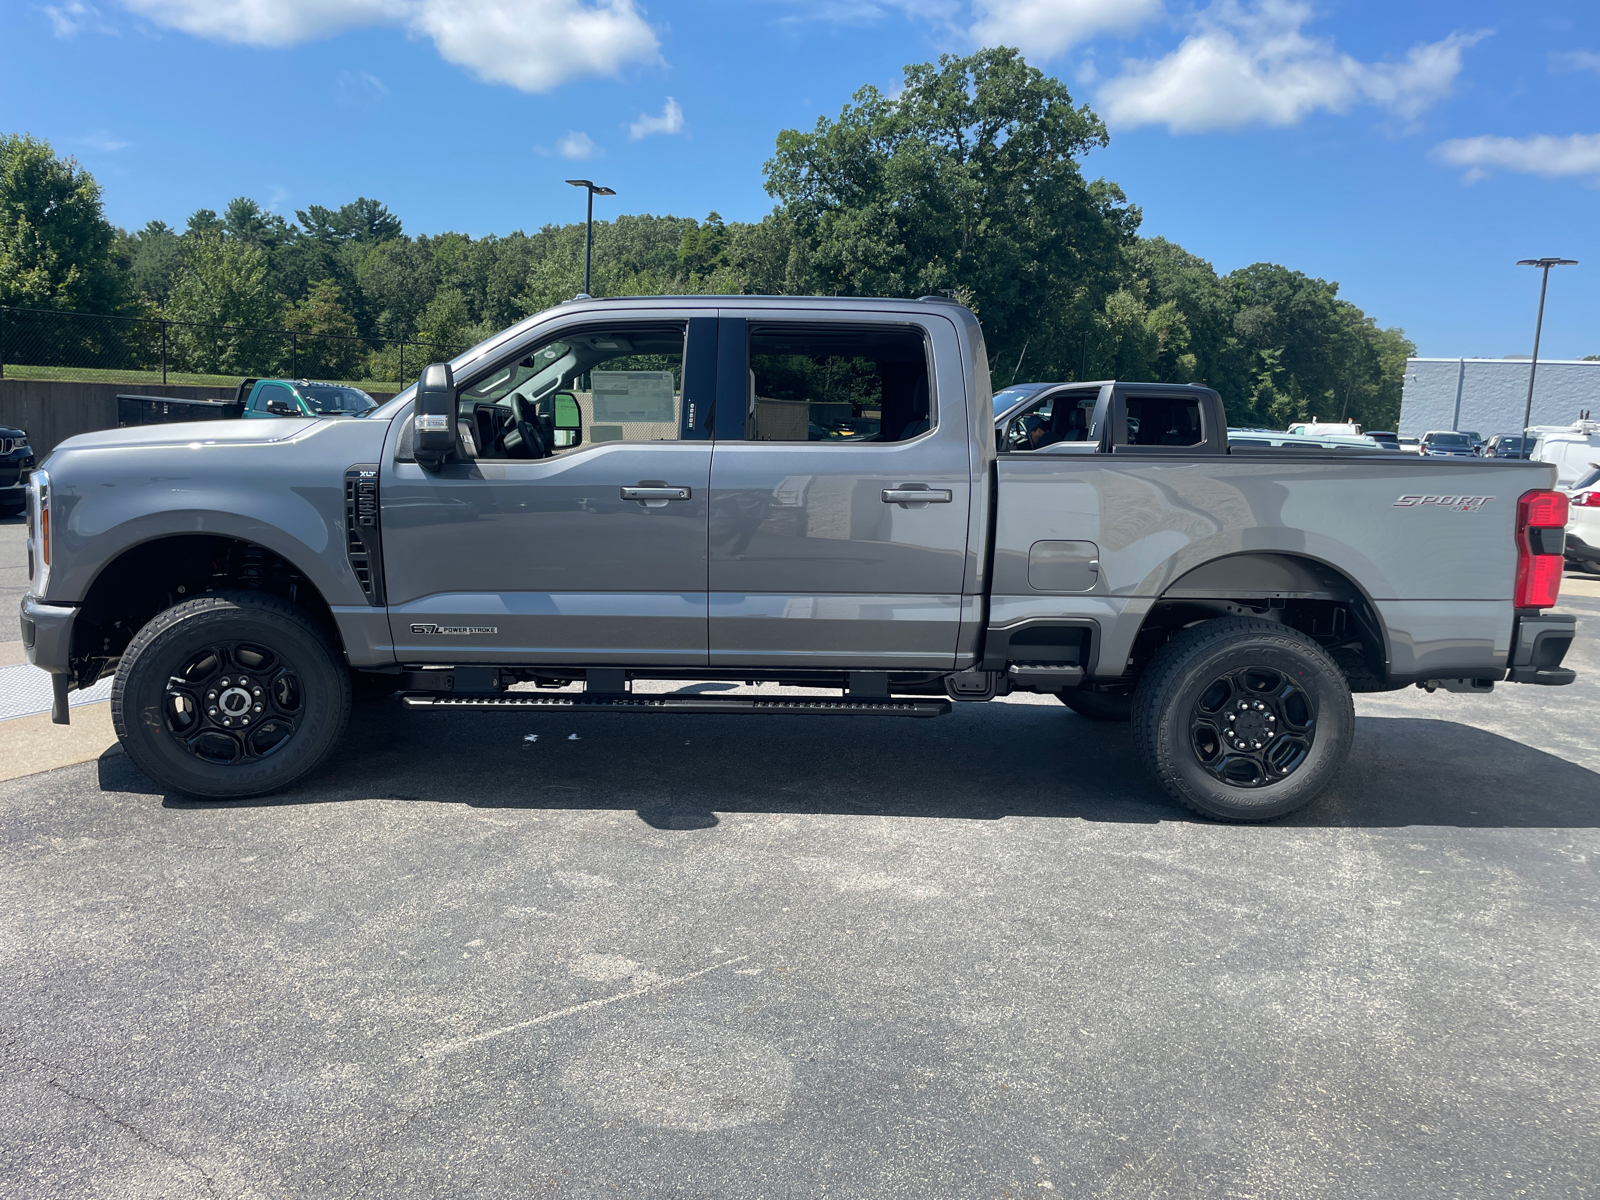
(837, 383)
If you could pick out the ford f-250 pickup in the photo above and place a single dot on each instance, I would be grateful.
(807, 492)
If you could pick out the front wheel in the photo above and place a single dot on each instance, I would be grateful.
(1243, 719)
(229, 695)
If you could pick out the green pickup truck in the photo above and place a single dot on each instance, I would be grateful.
(302, 398)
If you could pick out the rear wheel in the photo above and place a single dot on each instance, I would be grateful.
(1098, 706)
(233, 694)
(1242, 719)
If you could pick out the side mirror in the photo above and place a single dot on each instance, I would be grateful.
(568, 421)
(435, 416)
(281, 408)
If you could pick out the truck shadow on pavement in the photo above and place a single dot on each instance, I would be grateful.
(982, 763)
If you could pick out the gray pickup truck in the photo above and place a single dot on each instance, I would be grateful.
(810, 493)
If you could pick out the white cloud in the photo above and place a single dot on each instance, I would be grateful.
(577, 145)
(1576, 60)
(533, 45)
(102, 141)
(1254, 66)
(1044, 28)
(670, 121)
(266, 22)
(69, 20)
(1575, 155)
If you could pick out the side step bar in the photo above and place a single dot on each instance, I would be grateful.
(585, 702)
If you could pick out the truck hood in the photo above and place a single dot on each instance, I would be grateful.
(188, 433)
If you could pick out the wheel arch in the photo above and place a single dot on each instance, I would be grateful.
(1299, 590)
(161, 571)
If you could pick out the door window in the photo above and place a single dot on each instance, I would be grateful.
(837, 384)
(621, 383)
(1061, 417)
(269, 392)
(1164, 421)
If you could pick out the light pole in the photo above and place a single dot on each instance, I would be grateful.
(588, 228)
(1533, 369)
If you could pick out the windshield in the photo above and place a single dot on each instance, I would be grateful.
(1450, 441)
(1006, 397)
(331, 399)
(1588, 481)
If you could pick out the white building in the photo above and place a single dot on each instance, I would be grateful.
(1487, 395)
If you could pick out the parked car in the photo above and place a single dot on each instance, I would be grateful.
(16, 460)
(302, 398)
(1475, 438)
(478, 544)
(1385, 439)
(1410, 445)
(1573, 449)
(1325, 429)
(1583, 522)
(1507, 445)
(1294, 441)
(1446, 444)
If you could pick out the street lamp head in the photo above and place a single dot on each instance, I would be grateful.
(594, 188)
(604, 191)
(1547, 262)
(580, 183)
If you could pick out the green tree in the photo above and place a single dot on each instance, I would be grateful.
(325, 347)
(968, 180)
(55, 242)
(363, 220)
(247, 221)
(228, 306)
(153, 257)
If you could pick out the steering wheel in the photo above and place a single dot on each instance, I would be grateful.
(528, 427)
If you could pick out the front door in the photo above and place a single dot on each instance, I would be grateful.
(839, 520)
(525, 550)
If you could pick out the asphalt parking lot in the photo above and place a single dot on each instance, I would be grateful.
(706, 957)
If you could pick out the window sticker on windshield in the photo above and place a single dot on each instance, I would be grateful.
(626, 396)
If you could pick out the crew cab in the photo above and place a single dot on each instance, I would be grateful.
(630, 490)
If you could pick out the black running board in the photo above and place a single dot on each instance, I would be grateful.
(781, 706)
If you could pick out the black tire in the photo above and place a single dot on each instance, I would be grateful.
(1276, 753)
(1098, 706)
(280, 675)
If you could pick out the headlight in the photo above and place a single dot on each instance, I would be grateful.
(39, 533)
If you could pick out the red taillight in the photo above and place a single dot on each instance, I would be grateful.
(1589, 500)
(1539, 557)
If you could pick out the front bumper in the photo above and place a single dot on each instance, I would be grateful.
(1539, 646)
(47, 634)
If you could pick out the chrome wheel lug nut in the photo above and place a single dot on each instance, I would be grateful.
(257, 691)
(212, 710)
(226, 722)
(256, 709)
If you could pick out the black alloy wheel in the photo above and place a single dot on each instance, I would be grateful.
(1243, 719)
(1253, 726)
(234, 702)
(229, 695)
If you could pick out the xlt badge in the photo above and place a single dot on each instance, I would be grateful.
(455, 630)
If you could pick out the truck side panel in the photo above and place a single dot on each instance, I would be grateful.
(1431, 543)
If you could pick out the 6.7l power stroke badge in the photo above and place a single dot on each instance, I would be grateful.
(455, 630)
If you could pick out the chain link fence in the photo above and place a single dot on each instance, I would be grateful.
(40, 343)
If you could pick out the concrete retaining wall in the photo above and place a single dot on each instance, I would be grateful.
(52, 411)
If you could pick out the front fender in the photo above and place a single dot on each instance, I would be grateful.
(287, 496)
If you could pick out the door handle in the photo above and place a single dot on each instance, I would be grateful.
(916, 495)
(655, 495)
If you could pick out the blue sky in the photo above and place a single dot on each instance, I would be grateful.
(1411, 151)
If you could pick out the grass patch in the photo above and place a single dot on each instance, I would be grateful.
(174, 378)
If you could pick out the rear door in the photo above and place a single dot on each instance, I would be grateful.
(589, 554)
(840, 493)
